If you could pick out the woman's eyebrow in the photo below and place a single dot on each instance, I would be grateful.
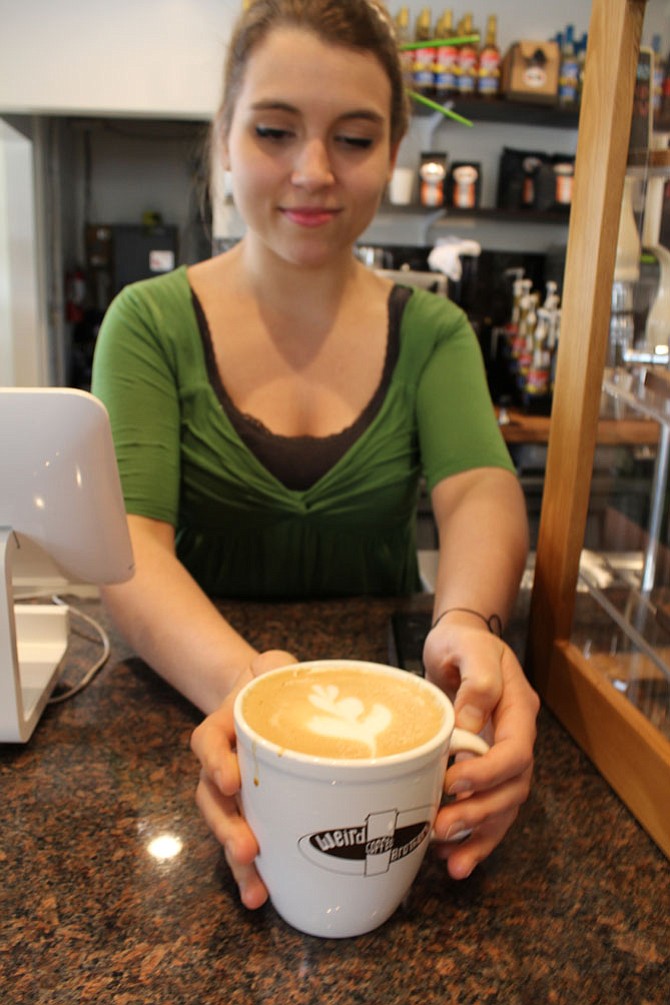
(272, 104)
(363, 113)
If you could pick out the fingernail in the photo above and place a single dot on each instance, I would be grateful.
(457, 832)
(459, 786)
(218, 780)
(470, 717)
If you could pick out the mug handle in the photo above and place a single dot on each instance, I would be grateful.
(463, 741)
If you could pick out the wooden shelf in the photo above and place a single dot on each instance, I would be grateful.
(562, 218)
(440, 214)
(524, 428)
(525, 113)
(654, 162)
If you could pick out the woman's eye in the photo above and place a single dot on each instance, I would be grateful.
(273, 133)
(356, 142)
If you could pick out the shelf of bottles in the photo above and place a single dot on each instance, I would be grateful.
(449, 66)
(527, 345)
(468, 73)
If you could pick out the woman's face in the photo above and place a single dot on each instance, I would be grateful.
(309, 146)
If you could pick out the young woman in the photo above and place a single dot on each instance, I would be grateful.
(274, 408)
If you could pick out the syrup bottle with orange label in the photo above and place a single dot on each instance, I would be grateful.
(446, 59)
(468, 60)
(424, 58)
(488, 80)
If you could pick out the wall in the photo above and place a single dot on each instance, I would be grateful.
(130, 57)
(23, 352)
(163, 57)
(123, 168)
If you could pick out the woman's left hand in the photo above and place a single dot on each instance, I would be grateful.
(217, 795)
(490, 691)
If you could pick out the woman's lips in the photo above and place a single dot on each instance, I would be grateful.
(307, 216)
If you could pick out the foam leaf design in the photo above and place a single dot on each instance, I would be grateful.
(345, 717)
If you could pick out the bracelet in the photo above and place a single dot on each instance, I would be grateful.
(493, 623)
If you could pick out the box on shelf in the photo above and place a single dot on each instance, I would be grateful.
(530, 71)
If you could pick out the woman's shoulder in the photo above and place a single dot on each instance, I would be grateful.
(160, 306)
(167, 288)
(430, 319)
(426, 306)
(432, 330)
(152, 318)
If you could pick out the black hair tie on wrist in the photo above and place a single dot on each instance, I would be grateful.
(493, 623)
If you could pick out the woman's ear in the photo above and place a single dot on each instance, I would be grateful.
(392, 159)
(218, 145)
(224, 155)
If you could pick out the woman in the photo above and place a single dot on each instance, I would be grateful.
(274, 408)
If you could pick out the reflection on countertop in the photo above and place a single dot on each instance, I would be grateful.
(115, 892)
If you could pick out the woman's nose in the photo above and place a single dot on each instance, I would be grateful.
(312, 168)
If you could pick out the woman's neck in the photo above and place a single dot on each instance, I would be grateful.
(288, 290)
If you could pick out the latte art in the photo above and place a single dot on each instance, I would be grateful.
(346, 718)
(342, 712)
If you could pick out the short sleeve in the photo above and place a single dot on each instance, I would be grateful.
(134, 375)
(458, 429)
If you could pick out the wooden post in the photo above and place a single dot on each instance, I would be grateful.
(600, 168)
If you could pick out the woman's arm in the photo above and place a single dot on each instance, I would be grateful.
(172, 624)
(481, 518)
(483, 544)
(177, 630)
(483, 537)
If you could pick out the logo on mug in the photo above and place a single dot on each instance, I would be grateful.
(372, 847)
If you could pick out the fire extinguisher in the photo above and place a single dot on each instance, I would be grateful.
(75, 295)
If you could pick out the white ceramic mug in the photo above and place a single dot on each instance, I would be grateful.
(401, 186)
(342, 839)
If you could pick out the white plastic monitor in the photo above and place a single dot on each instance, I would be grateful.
(60, 498)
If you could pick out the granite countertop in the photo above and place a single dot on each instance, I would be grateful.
(572, 907)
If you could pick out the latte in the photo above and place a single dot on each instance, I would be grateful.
(343, 711)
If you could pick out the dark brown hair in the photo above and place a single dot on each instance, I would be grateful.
(362, 25)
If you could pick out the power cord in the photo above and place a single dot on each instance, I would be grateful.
(102, 637)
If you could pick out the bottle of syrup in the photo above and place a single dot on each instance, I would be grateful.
(568, 77)
(424, 58)
(489, 62)
(657, 76)
(539, 372)
(446, 59)
(468, 60)
(402, 33)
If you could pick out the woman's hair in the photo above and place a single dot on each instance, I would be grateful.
(363, 25)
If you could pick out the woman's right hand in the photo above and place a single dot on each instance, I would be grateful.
(217, 794)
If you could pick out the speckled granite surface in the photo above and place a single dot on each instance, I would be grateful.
(573, 907)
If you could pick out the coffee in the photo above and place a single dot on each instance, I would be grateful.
(343, 712)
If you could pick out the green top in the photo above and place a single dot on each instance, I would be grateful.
(241, 532)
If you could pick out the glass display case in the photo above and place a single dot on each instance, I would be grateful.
(626, 634)
(599, 632)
